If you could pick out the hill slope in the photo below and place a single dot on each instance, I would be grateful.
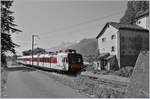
(86, 47)
(62, 46)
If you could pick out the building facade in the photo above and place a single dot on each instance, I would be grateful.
(142, 19)
(131, 43)
(119, 45)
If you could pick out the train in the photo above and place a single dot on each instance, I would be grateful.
(67, 61)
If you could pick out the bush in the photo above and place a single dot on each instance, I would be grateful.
(125, 71)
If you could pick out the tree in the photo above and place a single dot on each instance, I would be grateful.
(35, 51)
(133, 8)
(7, 27)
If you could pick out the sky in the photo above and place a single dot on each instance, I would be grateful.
(56, 21)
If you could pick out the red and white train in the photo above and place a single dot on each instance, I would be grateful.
(69, 61)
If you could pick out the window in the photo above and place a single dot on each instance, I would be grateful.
(135, 52)
(103, 39)
(112, 48)
(113, 37)
(103, 49)
(53, 60)
(41, 59)
(122, 38)
(46, 60)
(139, 22)
(123, 52)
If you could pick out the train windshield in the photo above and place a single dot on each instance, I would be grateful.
(75, 58)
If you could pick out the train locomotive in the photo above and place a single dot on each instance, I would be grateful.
(68, 61)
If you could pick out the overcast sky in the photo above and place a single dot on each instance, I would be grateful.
(62, 21)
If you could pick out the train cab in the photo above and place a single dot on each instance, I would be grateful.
(75, 61)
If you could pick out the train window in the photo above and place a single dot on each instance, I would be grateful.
(53, 60)
(41, 59)
(79, 60)
(46, 59)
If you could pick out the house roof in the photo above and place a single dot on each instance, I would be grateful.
(110, 57)
(103, 55)
(121, 26)
(142, 14)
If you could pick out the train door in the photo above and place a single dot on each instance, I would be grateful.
(65, 63)
(59, 62)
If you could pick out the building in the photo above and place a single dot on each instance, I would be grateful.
(142, 19)
(119, 45)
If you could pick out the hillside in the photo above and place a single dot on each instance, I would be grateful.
(86, 47)
(62, 46)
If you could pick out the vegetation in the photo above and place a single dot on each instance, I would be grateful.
(125, 71)
(7, 27)
(35, 51)
(133, 9)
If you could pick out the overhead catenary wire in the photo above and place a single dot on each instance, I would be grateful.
(57, 31)
(80, 24)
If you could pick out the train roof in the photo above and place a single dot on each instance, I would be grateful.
(47, 55)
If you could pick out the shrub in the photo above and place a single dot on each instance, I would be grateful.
(125, 71)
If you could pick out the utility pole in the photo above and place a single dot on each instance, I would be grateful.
(33, 36)
(32, 47)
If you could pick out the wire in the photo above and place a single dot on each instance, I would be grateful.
(79, 24)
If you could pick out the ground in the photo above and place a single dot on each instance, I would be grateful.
(29, 83)
(25, 82)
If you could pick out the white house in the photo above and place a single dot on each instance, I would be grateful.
(142, 19)
(119, 45)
